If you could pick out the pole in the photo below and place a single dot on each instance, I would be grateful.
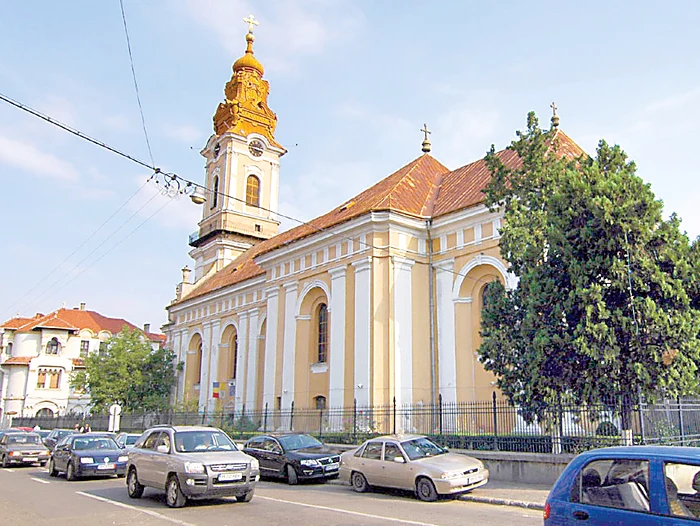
(354, 420)
(394, 416)
(495, 421)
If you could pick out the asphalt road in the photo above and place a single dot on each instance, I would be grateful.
(28, 496)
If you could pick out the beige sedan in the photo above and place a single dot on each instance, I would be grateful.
(414, 463)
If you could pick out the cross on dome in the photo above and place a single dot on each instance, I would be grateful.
(555, 117)
(426, 142)
(250, 20)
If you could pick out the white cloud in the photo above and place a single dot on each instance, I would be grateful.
(674, 102)
(30, 158)
(183, 133)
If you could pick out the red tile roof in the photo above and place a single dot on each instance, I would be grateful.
(78, 362)
(18, 360)
(74, 320)
(423, 188)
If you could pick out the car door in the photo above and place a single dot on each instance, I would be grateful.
(395, 473)
(160, 460)
(274, 456)
(143, 460)
(370, 462)
(254, 448)
(61, 453)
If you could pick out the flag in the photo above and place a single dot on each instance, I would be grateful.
(215, 393)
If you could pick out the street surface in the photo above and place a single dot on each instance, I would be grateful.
(28, 496)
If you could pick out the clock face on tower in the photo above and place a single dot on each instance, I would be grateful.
(256, 148)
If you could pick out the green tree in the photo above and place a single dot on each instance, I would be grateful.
(128, 371)
(604, 306)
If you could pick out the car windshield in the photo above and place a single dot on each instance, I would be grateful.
(59, 433)
(130, 440)
(421, 448)
(87, 443)
(292, 442)
(198, 441)
(18, 438)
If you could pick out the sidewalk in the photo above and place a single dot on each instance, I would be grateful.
(523, 495)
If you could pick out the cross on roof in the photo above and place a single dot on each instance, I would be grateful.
(554, 108)
(250, 20)
(426, 131)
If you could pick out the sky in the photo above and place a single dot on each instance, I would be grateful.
(352, 82)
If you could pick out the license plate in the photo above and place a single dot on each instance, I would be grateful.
(30, 459)
(332, 467)
(475, 479)
(226, 477)
(105, 466)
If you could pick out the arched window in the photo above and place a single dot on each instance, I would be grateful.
(234, 358)
(199, 363)
(322, 333)
(53, 346)
(45, 412)
(8, 349)
(252, 191)
(320, 402)
(215, 191)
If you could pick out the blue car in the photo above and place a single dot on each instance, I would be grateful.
(636, 485)
(87, 454)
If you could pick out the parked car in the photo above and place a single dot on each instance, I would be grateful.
(293, 457)
(43, 433)
(634, 485)
(87, 454)
(126, 440)
(411, 462)
(55, 435)
(22, 448)
(190, 462)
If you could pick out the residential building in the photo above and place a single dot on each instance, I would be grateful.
(38, 355)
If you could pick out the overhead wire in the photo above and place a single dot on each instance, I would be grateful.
(183, 184)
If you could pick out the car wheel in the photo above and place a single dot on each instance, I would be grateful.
(70, 471)
(292, 477)
(359, 482)
(425, 490)
(133, 486)
(174, 497)
(5, 462)
(247, 497)
(52, 469)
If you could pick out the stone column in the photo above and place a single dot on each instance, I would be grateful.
(336, 376)
(242, 361)
(363, 323)
(204, 384)
(447, 364)
(289, 343)
(269, 372)
(403, 331)
(252, 379)
(213, 363)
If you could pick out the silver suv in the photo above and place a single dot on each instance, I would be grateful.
(190, 462)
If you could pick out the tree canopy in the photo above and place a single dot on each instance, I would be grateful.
(128, 371)
(607, 300)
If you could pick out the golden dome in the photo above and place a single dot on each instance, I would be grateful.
(248, 60)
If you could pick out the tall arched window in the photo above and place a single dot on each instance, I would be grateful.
(53, 346)
(322, 333)
(234, 359)
(252, 191)
(215, 191)
(199, 363)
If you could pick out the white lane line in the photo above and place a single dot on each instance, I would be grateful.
(359, 514)
(134, 508)
(9, 470)
(39, 480)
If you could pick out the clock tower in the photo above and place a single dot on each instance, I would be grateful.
(242, 169)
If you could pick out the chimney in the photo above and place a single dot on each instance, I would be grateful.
(186, 274)
(146, 327)
(82, 306)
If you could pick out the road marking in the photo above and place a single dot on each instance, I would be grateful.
(134, 508)
(39, 480)
(340, 510)
(9, 470)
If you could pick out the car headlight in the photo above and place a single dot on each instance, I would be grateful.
(450, 475)
(15, 453)
(254, 464)
(47, 452)
(87, 460)
(309, 462)
(123, 458)
(194, 467)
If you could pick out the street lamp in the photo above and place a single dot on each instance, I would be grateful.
(198, 197)
(173, 186)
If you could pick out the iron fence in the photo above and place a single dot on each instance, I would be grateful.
(482, 425)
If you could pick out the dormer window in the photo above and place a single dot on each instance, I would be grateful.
(53, 346)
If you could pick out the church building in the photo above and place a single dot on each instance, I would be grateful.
(377, 300)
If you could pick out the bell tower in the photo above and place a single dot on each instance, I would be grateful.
(242, 169)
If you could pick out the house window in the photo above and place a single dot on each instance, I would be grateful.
(252, 191)
(322, 333)
(54, 379)
(234, 343)
(215, 191)
(41, 380)
(320, 402)
(84, 347)
(53, 346)
(8, 349)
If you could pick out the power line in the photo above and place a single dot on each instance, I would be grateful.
(136, 86)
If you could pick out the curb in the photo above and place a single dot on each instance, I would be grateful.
(503, 502)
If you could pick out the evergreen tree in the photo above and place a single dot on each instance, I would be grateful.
(605, 306)
(128, 371)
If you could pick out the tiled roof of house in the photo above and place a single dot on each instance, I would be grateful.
(18, 360)
(76, 319)
(16, 323)
(78, 362)
(423, 188)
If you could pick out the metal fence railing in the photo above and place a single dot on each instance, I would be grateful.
(482, 425)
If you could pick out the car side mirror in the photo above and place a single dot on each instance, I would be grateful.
(163, 449)
(400, 460)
